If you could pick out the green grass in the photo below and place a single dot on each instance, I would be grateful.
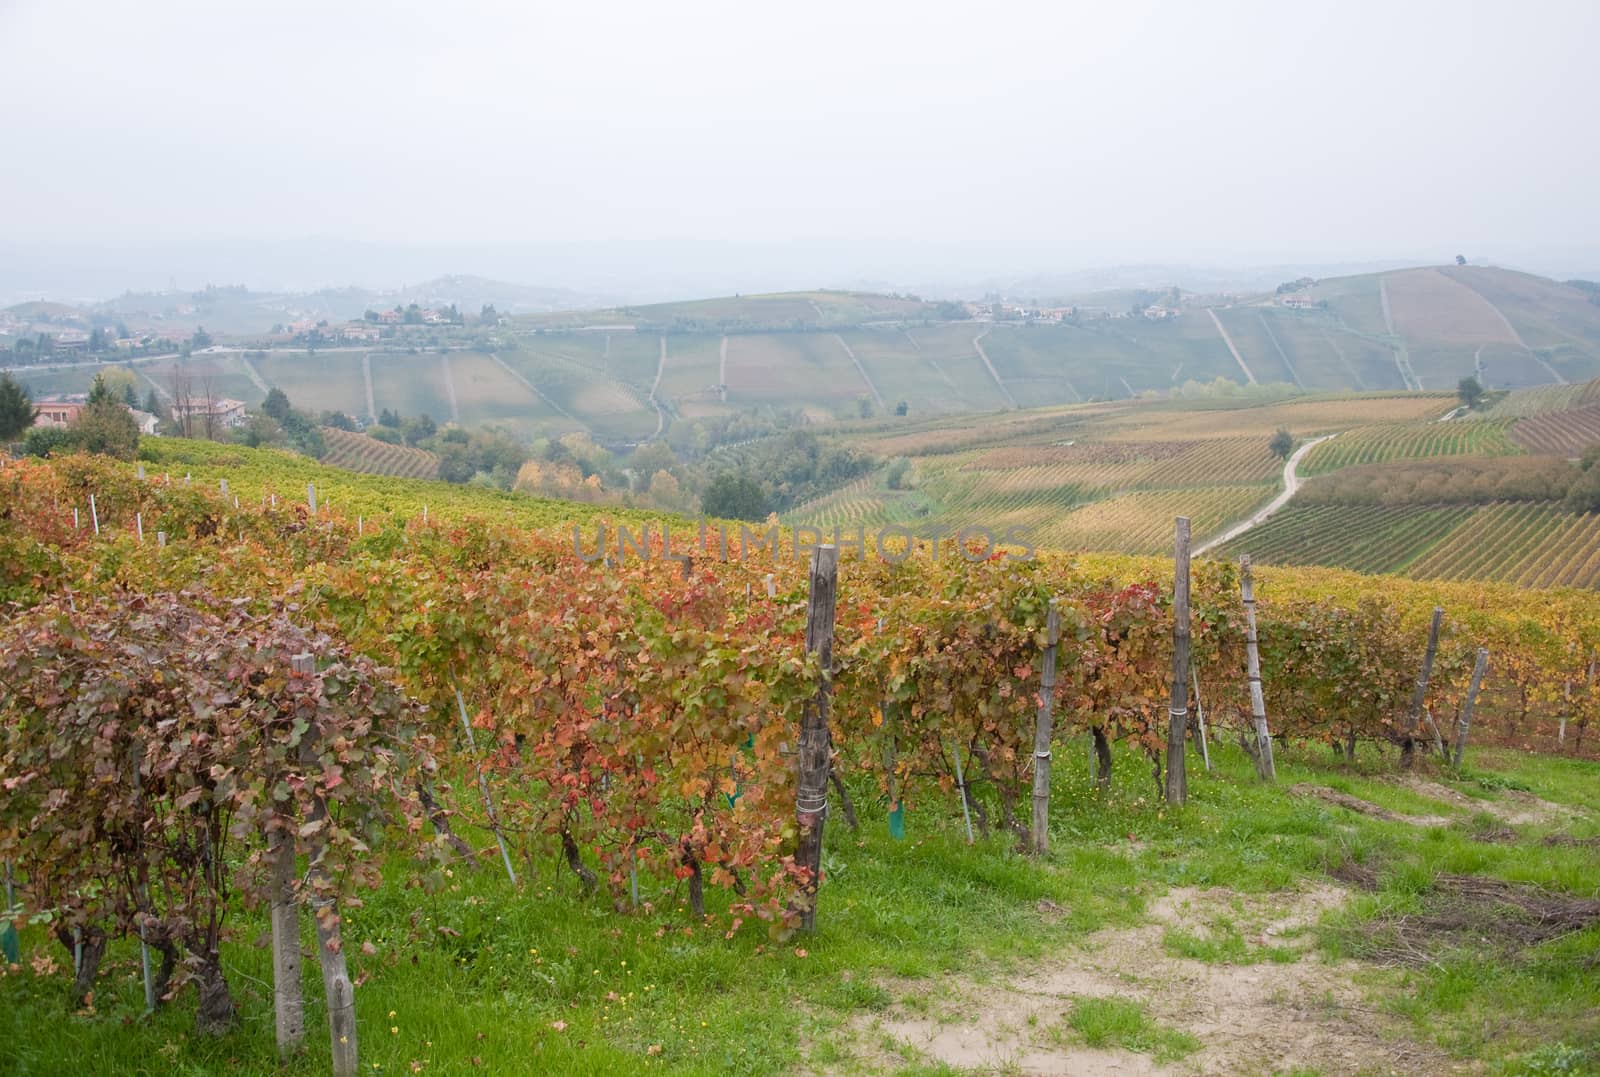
(1120, 1022)
(538, 979)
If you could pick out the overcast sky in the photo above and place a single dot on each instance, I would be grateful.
(1110, 132)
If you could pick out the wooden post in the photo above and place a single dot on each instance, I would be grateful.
(1465, 720)
(224, 484)
(94, 514)
(138, 524)
(161, 539)
(358, 526)
(1200, 721)
(311, 497)
(1408, 746)
(811, 795)
(75, 525)
(1258, 703)
(772, 587)
(1042, 729)
(138, 472)
(325, 911)
(483, 787)
(288, 998)
(1178, 712)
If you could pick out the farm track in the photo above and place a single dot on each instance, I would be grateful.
(1291, 483)
(536, 391)
(1402, 361)
(877, 396)
(366, 377)
(993, 373)
(1226, 339)
(1282, 355)
(661, 415)
(450, 388)
(253, 374)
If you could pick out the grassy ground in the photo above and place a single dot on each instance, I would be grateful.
(479, 977)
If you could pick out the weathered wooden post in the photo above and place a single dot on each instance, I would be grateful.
(811, 796)
(1465, 719)
(161, 539)
(1258, 703)
(1042, 728)
(311, 497)
(1408, 746)
(94, 514)
(1178, 712)
(138, 472)
(138, 525)
(224, 484)
(325, 912)
(288, 999)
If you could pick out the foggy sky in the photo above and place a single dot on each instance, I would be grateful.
(1084, 133)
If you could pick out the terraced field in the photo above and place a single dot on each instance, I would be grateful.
(1524, 402)
(1396, 441)
(1531, 545)
(1559, 433)
(369, 456)
(1367, 538)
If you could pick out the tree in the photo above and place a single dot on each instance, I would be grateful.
(276, 404)
(1469, 391)
(338, 420)
(201, 338)
(455, 464)
(733, 496)
(105, 425)
(901, 408)
(152, 403)
(1282, 444)
(389, 418)
(864, 408)
(16, 409)
(1461, 259)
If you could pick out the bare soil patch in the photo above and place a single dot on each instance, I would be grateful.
(1259, 1017)
(1365, 807)
(1513, 807)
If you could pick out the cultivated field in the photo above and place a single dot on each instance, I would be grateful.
(369, 456)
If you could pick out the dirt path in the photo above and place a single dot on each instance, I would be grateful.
(366, 376)
(1266, 1015)
(1291, 483)
(977, 343)
(450, 388)
(534, 389)
(863, 372)
(253, 374)
(1402, 361)
(722, 370)
(1283, 355)
(1226, 339)
(1349, 369)
(661, 367)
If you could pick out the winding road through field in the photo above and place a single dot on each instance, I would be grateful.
(1291, 483)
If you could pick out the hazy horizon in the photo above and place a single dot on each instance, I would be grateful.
(627, 148)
